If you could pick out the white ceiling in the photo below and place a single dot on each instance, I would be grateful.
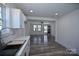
(47, 9)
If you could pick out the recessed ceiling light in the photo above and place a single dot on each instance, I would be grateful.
(31, 11)
(56, 13)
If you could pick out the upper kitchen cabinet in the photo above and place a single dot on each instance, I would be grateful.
(17, 18)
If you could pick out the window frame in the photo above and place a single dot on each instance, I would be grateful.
(1, 17)
(45, 28)
(34, 27)
(5, 29)
(37, 27)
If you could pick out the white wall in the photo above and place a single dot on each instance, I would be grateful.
(68, 30)
(52, 24)
(11, 5)
(27, 28)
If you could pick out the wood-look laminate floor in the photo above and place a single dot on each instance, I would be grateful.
(46, 46)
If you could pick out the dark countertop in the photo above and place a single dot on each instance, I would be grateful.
(14, 47)
(11, 48)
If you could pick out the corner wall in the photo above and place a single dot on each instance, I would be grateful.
(53, 30)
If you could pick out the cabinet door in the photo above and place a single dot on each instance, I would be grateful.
(22, 19)
(15, 13)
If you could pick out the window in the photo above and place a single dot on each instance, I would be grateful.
(0, 24)
(36, 27)
(0, 18)
(39, 27)
(4, 19)
(45, 29)
(0, 13)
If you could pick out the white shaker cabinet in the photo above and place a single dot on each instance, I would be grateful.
(17, 18)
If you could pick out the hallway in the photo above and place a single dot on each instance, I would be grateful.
(46, 47)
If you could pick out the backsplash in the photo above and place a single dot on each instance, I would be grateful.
(13, 34)
(18, 32)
